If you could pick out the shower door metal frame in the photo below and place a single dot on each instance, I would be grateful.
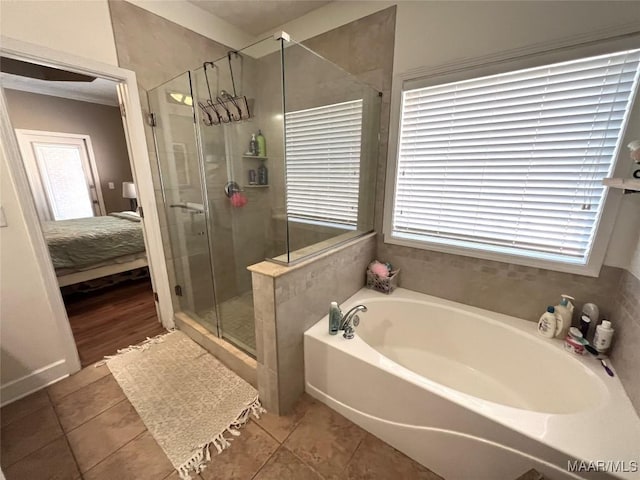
(205, 197)
(201, 172)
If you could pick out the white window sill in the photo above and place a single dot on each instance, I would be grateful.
(341, 226)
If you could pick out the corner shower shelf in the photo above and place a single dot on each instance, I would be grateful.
(628, 185)
(255, 157)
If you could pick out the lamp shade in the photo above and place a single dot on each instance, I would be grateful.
(129, 190)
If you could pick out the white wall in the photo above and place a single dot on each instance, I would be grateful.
(79, 27)
(32, 347)
(31, 352)
(437, 33)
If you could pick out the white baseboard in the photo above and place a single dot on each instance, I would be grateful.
(34, 381)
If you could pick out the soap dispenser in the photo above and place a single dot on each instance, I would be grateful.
(335, 316)
(565, 316)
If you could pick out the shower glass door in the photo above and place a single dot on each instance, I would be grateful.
(185, 221)
(243, 225)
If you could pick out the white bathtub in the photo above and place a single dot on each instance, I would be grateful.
(472, 394)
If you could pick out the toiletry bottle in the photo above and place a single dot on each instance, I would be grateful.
(263, 175)
(253, 145)
(604, 334)
(335, 315)
(262, 144)
(592, 311)
(547, 323)
(565, 315)
(585, 323)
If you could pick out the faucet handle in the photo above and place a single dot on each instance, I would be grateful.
(349, 333)
(355, 320)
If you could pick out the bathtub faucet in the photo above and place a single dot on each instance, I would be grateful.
(351, 320)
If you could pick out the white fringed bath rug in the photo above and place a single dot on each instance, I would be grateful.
(186, 398)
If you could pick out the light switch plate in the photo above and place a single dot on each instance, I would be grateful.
(112, 186)
(3, 218)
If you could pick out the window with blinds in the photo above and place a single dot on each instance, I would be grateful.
(323, 163)
(513, 163)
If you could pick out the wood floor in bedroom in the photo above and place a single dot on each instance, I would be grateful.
(116, 317)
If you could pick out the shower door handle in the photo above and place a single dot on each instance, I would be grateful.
(190, 206)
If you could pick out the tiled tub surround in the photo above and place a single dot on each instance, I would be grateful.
(625, 352)
(495, 391)
(522, 292)
(287, 301)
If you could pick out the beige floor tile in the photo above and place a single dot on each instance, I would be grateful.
(31, 433)
(281, 426)
(531, 475)
(87, 402)
(284, 465)
(98, 438)
(75, 382)
(176, 476)
(247, 454)
(325, 440)
(24, 406)
(52, 462)
(375, 460)
(140, 459)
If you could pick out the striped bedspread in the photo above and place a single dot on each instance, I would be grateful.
(82, 242)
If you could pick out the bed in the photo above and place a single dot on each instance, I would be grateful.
(85, 249)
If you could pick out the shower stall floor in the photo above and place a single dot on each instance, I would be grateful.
(237, 322)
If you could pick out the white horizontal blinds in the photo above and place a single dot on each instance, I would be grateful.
(323, 162)
(513, 162)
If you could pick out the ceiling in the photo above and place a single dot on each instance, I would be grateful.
(256, 17)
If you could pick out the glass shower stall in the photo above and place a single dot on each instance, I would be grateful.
(270, 153)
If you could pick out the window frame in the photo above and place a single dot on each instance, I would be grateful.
(26, 138)
(492, 65)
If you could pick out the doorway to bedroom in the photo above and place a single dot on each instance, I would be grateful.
(74, 151)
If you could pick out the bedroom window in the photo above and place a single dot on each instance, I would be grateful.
(512, 164)
(323, 163)
(61, 175)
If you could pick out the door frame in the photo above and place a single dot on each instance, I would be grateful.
(133, 124)
(26, 137)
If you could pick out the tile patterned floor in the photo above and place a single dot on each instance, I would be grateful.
(84, 428)
(237, 321)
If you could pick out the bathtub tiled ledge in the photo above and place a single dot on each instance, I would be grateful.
(275, 270)
(288, 300)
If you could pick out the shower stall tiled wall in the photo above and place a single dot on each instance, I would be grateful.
(214, 237)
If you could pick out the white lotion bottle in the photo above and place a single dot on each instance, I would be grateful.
(604, 334)
(565, 316)
(548, 323)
